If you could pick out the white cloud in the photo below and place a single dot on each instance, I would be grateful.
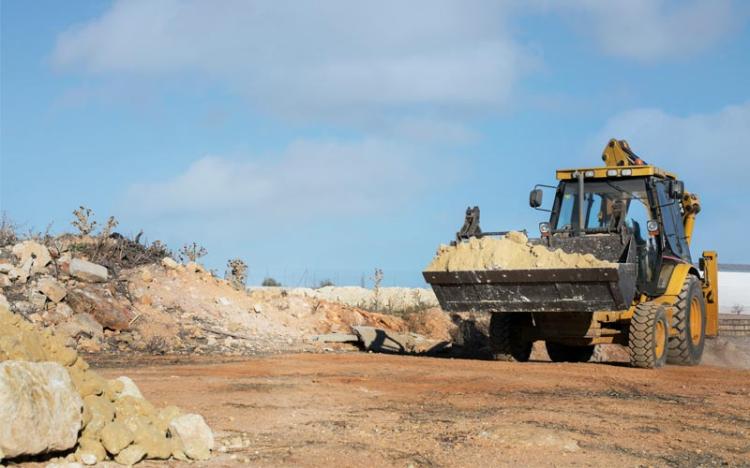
(708, 151)
(323, 179)
(302, 59)
(649, 30)
(709, 148)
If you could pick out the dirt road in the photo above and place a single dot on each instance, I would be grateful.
(377, 410)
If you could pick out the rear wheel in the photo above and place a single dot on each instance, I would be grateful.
(647, 337)
(506, 339)
(689, 321)
(565, 353)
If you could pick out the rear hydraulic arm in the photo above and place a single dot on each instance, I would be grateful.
(691, 206)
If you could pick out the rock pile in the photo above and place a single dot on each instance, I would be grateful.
(510, 252)
(51, 401)
(166, 307)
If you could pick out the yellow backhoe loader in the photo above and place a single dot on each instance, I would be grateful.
(652, 300)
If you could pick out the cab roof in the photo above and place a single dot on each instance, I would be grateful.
(615, 172)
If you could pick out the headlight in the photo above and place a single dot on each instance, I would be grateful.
(544, 229)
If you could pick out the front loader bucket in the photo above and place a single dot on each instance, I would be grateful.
(537, 290)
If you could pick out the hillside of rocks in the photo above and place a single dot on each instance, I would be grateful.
(114, 295)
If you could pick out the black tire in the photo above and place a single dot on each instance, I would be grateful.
(565, 353)
(505, 337)
(686, 347)
(648, 336)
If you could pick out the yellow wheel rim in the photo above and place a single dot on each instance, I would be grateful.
(660, 336)
(696, 320)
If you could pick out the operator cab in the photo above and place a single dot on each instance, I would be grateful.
(629, 208)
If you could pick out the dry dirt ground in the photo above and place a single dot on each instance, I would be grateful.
(357, 409)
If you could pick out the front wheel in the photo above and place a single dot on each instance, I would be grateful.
(506, 339)
(647, 336)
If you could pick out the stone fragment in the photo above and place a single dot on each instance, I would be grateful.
(35, 252)
(129, 388)
(100, 411)
(88, 271)
(5, 268)
(80, 325)
(115, 437)
(59, 314)
(87, 383)
(5, 281)
(169, 263)
(20, 274)
(154, 441)
(194, 267)
(147, 276)
(98, 301)
(195, 437)
(165, 416)
(91, 451)
(131, 455)
(40, 409)
(51, 288)
(37, 299)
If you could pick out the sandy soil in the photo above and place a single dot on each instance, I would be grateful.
(355, 409)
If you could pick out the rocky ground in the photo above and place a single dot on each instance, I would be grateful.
(278, 375)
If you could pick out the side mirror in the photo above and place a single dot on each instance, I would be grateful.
(535, 198)
(677, 189)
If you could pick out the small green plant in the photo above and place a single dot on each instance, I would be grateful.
(84, 220)
(192, 252)
(237, 274)
(270, 282)
(325, 283)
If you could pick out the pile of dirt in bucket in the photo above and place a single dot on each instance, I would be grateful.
(510, 252)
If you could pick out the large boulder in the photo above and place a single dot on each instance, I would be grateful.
(99, 302)
(192, 435)
(34, 251)
(88, 271)
(40, 409)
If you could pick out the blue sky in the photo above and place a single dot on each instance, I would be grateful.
(325, 139)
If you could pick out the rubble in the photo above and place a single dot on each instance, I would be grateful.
(163, 307)
(115, 421)
(512, 251)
